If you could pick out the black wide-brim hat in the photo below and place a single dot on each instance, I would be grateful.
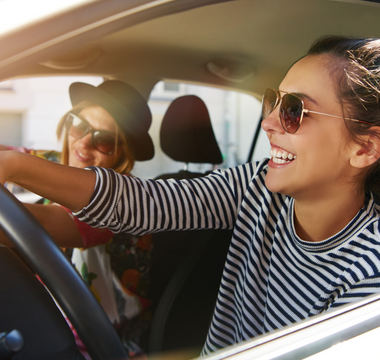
(127, 106)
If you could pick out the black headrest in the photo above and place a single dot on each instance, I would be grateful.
(186, 132)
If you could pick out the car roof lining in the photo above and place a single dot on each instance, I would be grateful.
(230, 30)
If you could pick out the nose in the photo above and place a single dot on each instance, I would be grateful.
(86, 141)
(272, 123)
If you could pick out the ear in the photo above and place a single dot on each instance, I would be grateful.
(367, 153)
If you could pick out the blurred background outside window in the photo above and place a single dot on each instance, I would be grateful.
(31, 108)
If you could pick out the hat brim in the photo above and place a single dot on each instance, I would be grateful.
(138, 138)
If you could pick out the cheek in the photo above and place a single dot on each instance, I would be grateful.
(326, 159)
(320, 142)
(70, 142)
(106, 161)
(70, 147)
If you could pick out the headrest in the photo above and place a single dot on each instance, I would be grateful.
(186, 132)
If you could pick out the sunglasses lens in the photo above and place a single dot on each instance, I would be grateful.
(290, 113)
(104, 142)
(269, 102)
(75, 126)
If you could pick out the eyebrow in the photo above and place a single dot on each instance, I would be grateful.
(304, 96)
(300, 95)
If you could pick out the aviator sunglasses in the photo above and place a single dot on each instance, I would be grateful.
(292, 109)
(102, 140)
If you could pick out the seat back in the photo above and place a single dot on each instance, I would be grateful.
(187, 136)
(186, 265)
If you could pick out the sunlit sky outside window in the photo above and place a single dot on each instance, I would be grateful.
(16, 13)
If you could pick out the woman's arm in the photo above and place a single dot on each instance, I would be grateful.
(69, 186)
(123, 203)
(137, 206)
(58, 223)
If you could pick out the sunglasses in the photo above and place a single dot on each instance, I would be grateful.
(292, 109)
(102, 140)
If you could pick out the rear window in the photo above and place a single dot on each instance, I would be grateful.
(234, 117)
(31, 108)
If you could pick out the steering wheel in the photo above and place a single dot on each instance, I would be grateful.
(47, 260)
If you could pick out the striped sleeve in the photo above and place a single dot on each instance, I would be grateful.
(127, 204)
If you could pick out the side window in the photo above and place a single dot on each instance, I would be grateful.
(170, 86)
(10, 116)
(262, 147)
(31, 108)
(11, 128)
(6, 85)
(234, 117)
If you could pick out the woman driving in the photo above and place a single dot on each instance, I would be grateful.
(305, 221)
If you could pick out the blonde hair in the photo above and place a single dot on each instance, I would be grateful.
(126, 161)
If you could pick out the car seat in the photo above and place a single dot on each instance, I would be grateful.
(186, 265)
(187, 136)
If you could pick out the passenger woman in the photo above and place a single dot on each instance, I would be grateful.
(306, 233)
(108, 127)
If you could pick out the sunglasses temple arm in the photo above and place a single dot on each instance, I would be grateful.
(335, 116)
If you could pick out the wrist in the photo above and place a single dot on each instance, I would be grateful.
(8, 165)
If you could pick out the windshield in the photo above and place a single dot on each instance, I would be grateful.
(19, 13)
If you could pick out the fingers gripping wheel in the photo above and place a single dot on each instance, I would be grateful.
(48, 261)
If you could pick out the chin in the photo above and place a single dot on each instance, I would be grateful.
(76, 164)
(275, 185)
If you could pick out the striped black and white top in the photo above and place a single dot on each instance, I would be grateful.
(272, 278)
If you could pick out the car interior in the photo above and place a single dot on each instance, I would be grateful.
(240, 45)
(185, 269)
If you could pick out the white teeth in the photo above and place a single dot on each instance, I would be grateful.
(281, 156)
(280, 161)
(82, 155)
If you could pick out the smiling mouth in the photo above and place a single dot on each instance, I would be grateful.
(281, 156)
(82, 156)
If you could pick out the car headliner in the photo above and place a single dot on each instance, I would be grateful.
(143, 42)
